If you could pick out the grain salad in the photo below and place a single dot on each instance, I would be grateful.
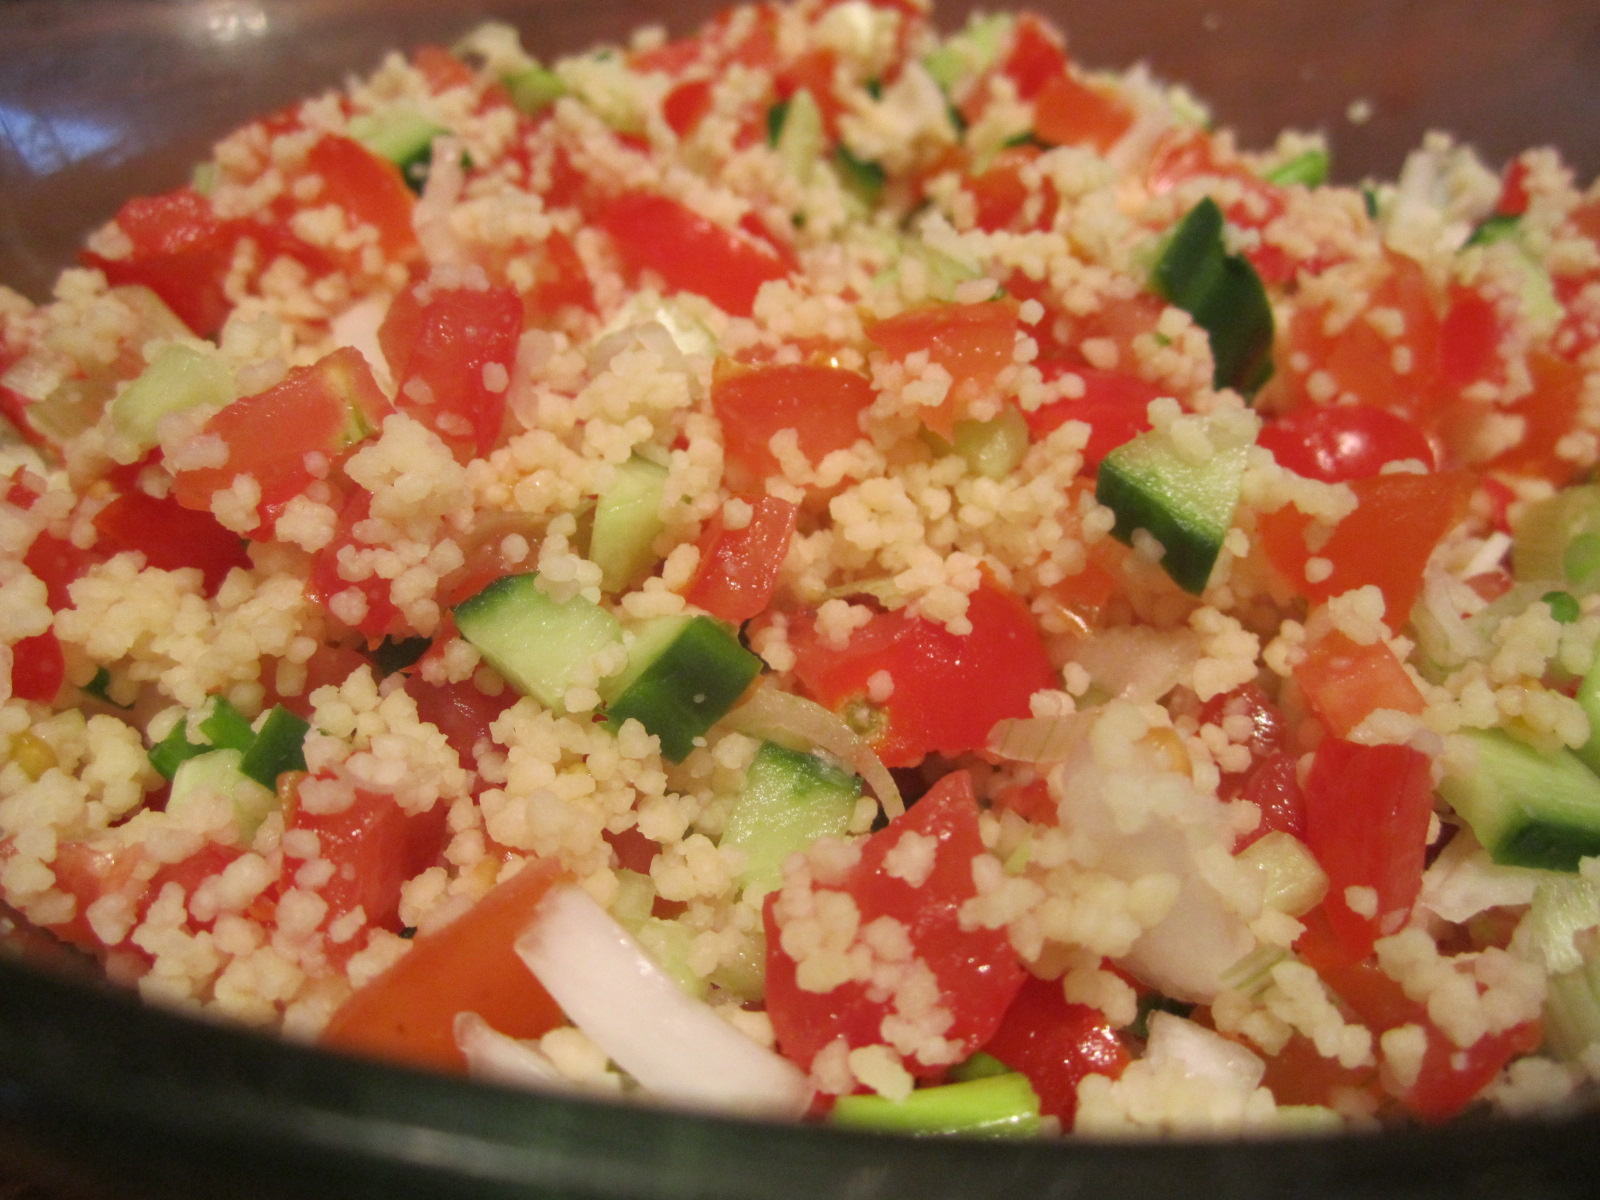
(825, 569)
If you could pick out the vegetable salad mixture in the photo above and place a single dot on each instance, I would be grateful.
(825, 569)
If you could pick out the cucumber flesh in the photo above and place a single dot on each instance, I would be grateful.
(626, 522)
(404, 138)
(1187, 507)
(683, 674)
(538, 644)
(178, 377)
(789, 800)
(219, 771)
(1557, 540)
(1527, 808)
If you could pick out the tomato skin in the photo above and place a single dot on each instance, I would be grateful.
(948, 690)
(691, 253)
(1037, 56)
(976, 970)
(1345, 682)
(440, 347)
(686, 105)
(408, 1013)
(739, 567)
(171, 537)
(821, 404)
(1385, 542)
(1367, 811)
(1055, 1044)
(1273, 786)
(315, 410)
(1338, 443)
(56, 562)
(1114, 405)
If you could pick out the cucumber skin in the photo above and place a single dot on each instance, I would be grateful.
(1528, 809)
(790, 799)
(681, 684)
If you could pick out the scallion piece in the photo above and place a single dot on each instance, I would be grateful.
(992, 1106)
(1309, 169)
(279, 746)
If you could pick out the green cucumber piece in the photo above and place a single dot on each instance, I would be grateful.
(219, 771)
(404, 138)
(1187, 507)
(995, 447)
(967, 54)
(789, 800)
(178, 377)
(535, 89)
(1557, 540)
(683, 674)
(992, 1106)
(1224, 295)
(223, 727)
(538, 644)
(1527, 808)
(1309, 169)
(279, 746)
(626, 522)
(795, 130)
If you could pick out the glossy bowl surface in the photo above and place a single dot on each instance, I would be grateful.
(103, 99)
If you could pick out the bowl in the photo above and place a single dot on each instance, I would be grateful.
(102, 99)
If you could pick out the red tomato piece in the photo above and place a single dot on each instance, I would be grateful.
(976, 971)
(1367, 810)
(171, 537)
(316, 412)
(380, 617)
(369, 188)
(1344, 682)
(972, 342)
(438, 348)
(37, 668)
(441, 69)
(1549, 412)
(1273, 786)
(739, 567)
(1002, 193)
(1385, 542)
(1338, 443)
(1069, 112)
(1114, 405)
(408, 1013)
(1469, 341)
(460, 711)
(180, 250)
(947, 690)
(374, 846)
(562, 282)
(690, 252)
(686, 105)
(823, 405)
(56, 562)
(1055, 1044)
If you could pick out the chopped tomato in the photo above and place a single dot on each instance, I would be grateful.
(1002, 193)
(374, 846)
(1114, 405)
(1036, 57)
(56, 562)
(37, 667)
(691, 253)
(1069, 112)
(442, 344)
(285, 437)
(1268, 732)
(380, 618)
(1367, 811)
(686, 105)
(562, 282)
(739, 567)
(975, 972)
(945, 690)
(1055, 1044)
(1338, 443)
(408, 1013)
(972, 342)
(1345, 682)
(1273, 786)
(1469, 341)
(170, 536)
(461, 711)
(1298, 1074)
(369, 188)
(441, 69)
(1398, 520)
(823, 406)
(180, 250)
(1550, 412)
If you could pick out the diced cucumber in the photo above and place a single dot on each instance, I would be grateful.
(683, 674)
(863, 179)
(1186, 506)
(796, 132)
(789, 800)
(1224, 295)
(535, 89)
(993, 1106)
(1557, 540)
(404, 138)
(1309, 169)
(279, 746)
(967, 54)
(178, 377)
(223, 727)
(1293, 881)
(219, 771)
(626, 522)
(993, 448)
(540, 645)
(1527, 808)
(1588, 698)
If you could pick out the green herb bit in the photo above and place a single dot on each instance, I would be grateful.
(1495, 228)
(777, 116)
(278, 747)
(1563, 606)
(100, 688)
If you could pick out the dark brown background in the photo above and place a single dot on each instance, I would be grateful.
(100, 99)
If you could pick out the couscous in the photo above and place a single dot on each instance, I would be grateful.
(825, 569)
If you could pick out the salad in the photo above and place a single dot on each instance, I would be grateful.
(829, 570)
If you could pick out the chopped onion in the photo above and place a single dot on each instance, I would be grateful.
(500, 1058)
(357, 326)
(673, 1045)
(1464, 881)
(1203, 1054)
(1136, 663)
(1037, 739)
(800, 724)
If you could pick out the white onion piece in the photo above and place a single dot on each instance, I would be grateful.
(1201, 1054)
(499, 1058)
(675, 1046)
(801, 724)
(1136, 663)
(1464, 881)
(1037, 739)
(357, 327)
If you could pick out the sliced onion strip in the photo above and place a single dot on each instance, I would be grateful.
(1036, 739)
(499, 1058)
(800, 724)
(675, 1046)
